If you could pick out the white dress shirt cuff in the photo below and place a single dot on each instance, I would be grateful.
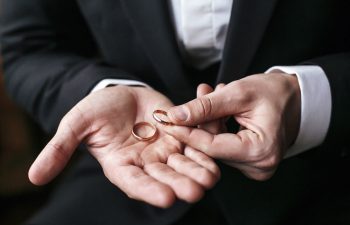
(316, 106)
(107, 82)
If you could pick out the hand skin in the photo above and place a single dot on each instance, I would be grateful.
(267, 106)
(156, 172)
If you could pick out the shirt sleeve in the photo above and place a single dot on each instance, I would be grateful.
(107, 82)
(316, 106)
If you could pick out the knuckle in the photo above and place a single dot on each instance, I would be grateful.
(205, 105)
(175, 157)
(59, 152)
(173, 144)
(264, 160)
(261, 176)
(215, 170)
(271, 162)
(193, 194)
(242, 90)
(65, 121)
(239, 86)
(264, 154)
(257, 174)
(132, 196)
(256, 153)
(149, 167)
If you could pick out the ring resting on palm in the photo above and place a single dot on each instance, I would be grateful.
(138, 131)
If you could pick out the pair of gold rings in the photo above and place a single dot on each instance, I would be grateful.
(157, 116)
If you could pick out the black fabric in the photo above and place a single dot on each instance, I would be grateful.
(207, 75)
(55, 51)
(85, 196)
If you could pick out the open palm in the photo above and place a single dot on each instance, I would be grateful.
(154, 171)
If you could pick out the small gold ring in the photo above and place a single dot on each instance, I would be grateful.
(158, 119)
(141, 124)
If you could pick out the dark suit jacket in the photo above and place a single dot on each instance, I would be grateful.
(55, 51)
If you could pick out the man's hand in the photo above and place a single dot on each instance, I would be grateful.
(267, 106)
(155, 171)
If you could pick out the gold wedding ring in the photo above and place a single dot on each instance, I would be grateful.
(156, 115)
(136, 131)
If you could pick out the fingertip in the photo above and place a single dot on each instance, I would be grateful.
(203, 160)
(178, 114)
(206, 179)
(165, 198)
(203, 84)
(209, 178)
(34, 178)
(204, 89)
(219, 86)
(46, 166)
(158, 194)
(193, 194)
(187, 189)
(217, 172)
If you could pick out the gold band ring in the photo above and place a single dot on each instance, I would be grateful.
(160, 120)
(135, 131)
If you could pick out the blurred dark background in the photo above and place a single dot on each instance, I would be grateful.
(20, 141)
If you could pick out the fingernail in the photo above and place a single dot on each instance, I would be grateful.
(179, 113)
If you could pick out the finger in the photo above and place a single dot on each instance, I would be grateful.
(223, 120)
(191, 169)
(53, 158)
(185, 188)
(219, 86)
(212, 126)
(203, 160)
(209, 107)
(159, 151)
(133, 181)
(239, 147)
(204, 89)
(215, 126)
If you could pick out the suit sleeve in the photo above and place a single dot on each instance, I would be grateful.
(337, 69)
(50, 57)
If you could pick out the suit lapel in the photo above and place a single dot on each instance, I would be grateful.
(151, 21)
(247, 25)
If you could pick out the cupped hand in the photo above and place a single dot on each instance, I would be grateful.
(267, 106)
(155, 171)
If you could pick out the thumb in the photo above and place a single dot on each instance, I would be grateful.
(202, 109)
(54, 157)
